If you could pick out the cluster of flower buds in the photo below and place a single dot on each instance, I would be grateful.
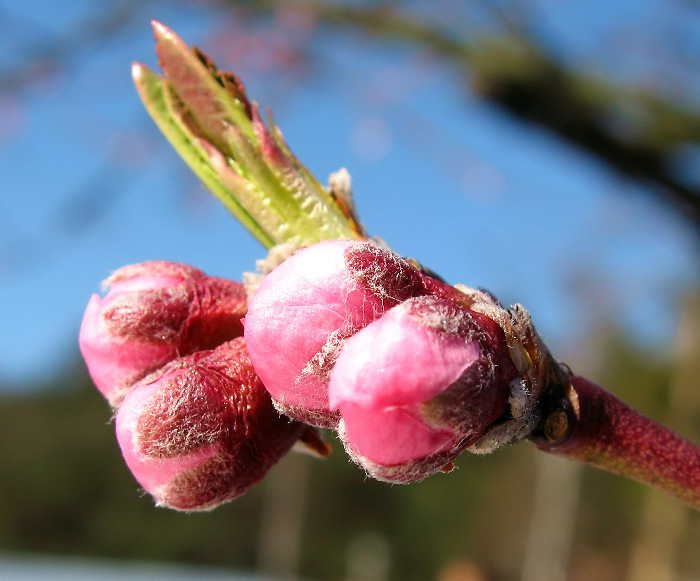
(343, 335)
(211, 384)
(194, 422)
(409, 370)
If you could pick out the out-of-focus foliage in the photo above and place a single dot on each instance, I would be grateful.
(64, 489)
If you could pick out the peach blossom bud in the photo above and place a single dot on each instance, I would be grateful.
(417, 386)
(154, 312)
(202, 430)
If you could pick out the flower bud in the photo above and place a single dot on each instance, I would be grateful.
(202, 430)
(308, 306)
(417, 386)
(154, 312)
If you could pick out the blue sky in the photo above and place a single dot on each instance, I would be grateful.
(87, 184)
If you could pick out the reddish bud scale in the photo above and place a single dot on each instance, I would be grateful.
(202, 430)
(495, 367)
(605, 432)
(386, 275)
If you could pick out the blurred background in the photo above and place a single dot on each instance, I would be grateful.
(546, 150)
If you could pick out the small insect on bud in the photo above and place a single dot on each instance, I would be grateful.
(417, 386)
(202, 430)
(154, 312)
(307, 307)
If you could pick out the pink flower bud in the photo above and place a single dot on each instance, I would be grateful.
(308, 306)
(417, 386)
(202, 430)
(154, 312)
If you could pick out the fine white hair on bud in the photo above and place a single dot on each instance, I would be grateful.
(202, 430)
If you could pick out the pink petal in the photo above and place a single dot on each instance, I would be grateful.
(392, 436)
(397, 361)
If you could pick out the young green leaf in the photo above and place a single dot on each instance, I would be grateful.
(207, 117)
